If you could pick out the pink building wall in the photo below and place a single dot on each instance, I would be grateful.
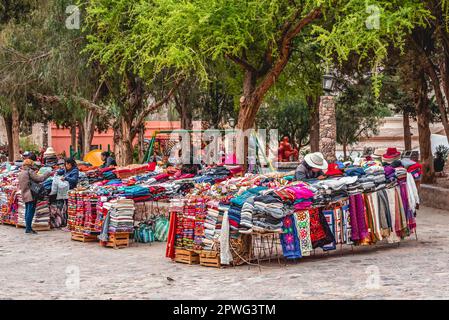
(60, 139)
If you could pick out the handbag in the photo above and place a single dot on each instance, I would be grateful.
(37, 190)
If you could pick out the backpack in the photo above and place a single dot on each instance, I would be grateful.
(144, 233)
(161, 229)
(37, 190)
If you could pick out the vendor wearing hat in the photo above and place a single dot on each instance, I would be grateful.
(312, 167)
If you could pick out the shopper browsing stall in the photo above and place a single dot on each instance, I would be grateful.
(312, 167)
(25, 177)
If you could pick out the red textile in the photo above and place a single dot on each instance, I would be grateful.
(170, 251)
(414, 167)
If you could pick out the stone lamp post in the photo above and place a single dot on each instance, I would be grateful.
(328, 122)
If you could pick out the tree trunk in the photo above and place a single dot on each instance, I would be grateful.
(424, 116)
(345, 151)
(73, 137)
(186, 117)
(8, 124)
(88, 126)
(141, 144)
(123, 141)
(313, 104)
(45, 135)
(15, 132)
(407, 131)
(429, 69)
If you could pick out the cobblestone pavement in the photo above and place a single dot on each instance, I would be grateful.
(45, 266)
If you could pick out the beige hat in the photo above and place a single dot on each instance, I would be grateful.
(49, 152)
(379, 152)
(316, 160)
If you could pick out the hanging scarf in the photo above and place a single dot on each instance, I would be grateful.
(320, 232)
(225, 250)
(358, 218)
(170, 250)
(346, 222)
(289, 239)
(330, 220)
(384, 212)
(391, 195)
(303, 226)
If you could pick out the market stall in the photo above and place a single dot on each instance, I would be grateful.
(264, 217)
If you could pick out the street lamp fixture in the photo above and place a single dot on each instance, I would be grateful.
(232, 122)
(328, 82)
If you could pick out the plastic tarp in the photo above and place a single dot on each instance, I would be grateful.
(94, 158)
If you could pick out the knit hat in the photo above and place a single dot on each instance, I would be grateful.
(28, 163)
(49, 152)
(316, 160)
(333, 170)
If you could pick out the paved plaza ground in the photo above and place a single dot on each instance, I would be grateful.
(49, 265)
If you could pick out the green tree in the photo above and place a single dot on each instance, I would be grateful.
(258, 37)
(358, 114)
(290, 116)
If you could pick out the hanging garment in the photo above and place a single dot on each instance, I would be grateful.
(170, 250)
(412, 191)
(320, 232)
(338, 218)
(358, 218)
(409, 209)
(303, 225)
(381, 203)
(289, 239)
(346, 223)
(372, 213)
(391, 195)
(401, 219)
(225, 250)
(58, 214)
(330, 220)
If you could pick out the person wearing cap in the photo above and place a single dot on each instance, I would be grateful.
(25, 177)
(29, 155)
(108, 160)
(312, 167)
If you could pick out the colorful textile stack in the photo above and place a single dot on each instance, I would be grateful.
(268, 213)
(79, 217)
(210, 224)
(415, 170)
(90, 213)
(41, 218)
(200, 219)
(192, 207)
(71, 210)
(102, 210)
(121, 216)
(20, 213)
(177, 209)
(136, 193)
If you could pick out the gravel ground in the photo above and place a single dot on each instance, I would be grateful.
(51, 266)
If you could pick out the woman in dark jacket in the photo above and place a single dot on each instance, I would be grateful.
(70, 173)
(25, 176)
